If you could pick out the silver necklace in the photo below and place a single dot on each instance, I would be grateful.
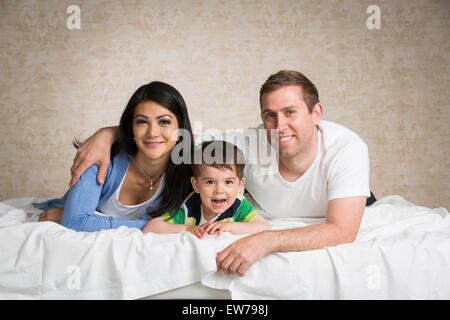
(147, 177)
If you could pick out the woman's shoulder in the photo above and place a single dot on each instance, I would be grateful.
(117, 167)
(121, 159)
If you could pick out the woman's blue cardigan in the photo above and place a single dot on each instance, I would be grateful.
(87, 196)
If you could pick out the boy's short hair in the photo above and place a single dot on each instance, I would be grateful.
(219, 154)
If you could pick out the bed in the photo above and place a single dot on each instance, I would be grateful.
(402, 251)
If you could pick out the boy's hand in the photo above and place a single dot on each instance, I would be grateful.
(219, 226)
(197, 231)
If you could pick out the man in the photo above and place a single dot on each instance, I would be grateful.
(322, 171)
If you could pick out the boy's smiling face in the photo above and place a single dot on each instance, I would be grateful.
(218, 188)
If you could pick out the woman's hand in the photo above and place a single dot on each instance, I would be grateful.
(54, 215)
(95, 150)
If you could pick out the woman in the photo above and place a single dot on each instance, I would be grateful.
(141, 177)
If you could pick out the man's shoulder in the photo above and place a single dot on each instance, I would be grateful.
(341, 146)
(335, 135)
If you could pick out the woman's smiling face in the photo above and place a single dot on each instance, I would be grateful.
(155, 129)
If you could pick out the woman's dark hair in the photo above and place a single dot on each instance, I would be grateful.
(177, 184)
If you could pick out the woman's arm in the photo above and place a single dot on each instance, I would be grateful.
(81, 203)
(95, 150)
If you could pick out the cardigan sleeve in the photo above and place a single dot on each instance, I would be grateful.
(81, 202)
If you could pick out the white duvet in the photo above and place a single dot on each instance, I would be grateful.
(402, 252)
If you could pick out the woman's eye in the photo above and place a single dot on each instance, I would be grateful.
(164, 122)
(140, 121)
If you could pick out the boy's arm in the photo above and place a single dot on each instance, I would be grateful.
(94, 150)
(257, 224)
(158, 225)
(247, 221)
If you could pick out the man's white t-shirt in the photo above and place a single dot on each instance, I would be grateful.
(340, 170)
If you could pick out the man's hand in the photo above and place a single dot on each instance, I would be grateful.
(54, 215)
(95, 150)
(241, 254)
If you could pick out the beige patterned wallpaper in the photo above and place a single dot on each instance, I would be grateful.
(390, 85)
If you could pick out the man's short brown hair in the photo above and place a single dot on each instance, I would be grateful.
(288, 78)
(230, 157)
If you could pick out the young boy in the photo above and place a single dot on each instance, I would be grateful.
(216, 204)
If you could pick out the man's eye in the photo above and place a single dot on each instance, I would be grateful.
(270, 116)
(290, 112)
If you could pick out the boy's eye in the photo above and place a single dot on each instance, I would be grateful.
(209, 181)
(229, 182)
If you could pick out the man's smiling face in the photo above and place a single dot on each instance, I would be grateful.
(285, 110)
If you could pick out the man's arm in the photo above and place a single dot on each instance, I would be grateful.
(342, 223)
(341, 226)
(95, 150)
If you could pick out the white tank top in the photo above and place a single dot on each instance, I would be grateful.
(113, 208)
